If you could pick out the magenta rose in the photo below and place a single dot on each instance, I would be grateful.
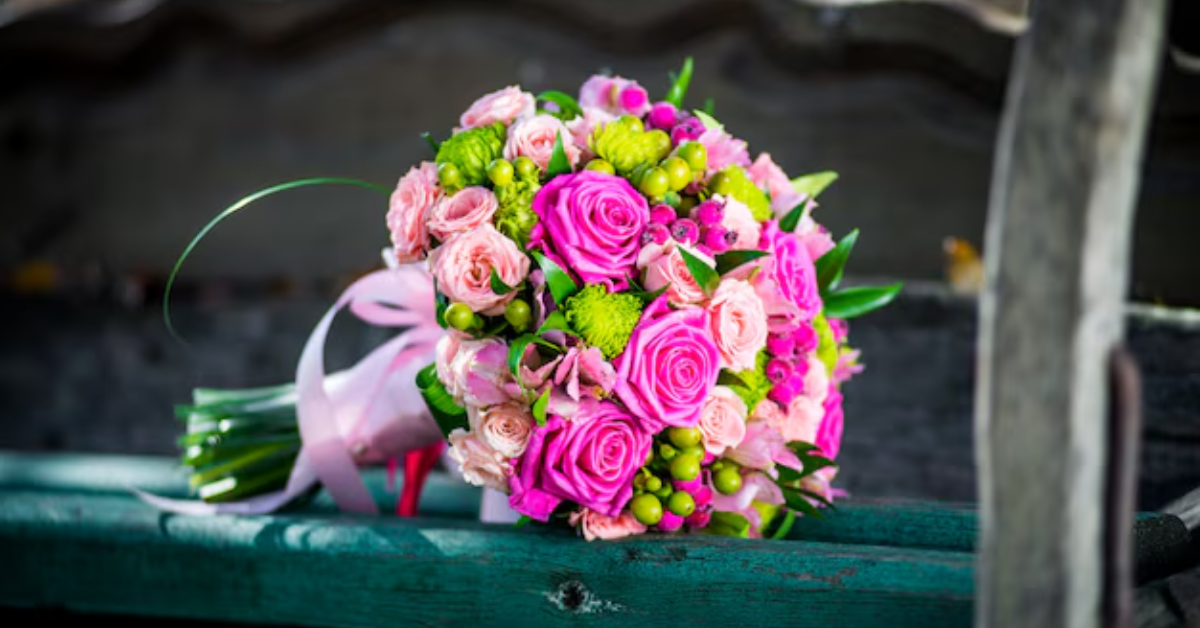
(590, 460)
(592, 222)
(669, 368)
(793, 269)
(829, 435)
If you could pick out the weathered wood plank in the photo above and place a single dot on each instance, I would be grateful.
(110, 554)
(1058, 241)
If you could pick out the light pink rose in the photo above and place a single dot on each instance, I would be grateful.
(480, 464)
(782, 314)
(739, 324)
(765, 174)
(504, 105)
(723, 150)
(415, 195)
(534, 138)
(581, 129)
(594, 525)
(463, 269)
(461, 212)
(504, 427)
(738, 219)
(474, 372)
(443, 354)
(816, 380)
(722, 420)
(803, 418)
(665, 268)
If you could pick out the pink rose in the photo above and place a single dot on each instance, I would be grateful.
(803, 417)
(474, 372)
(829, 435)
(463, 269)
(722, 420)
(594, 525)
(463, 211)
(670, 367)
(415, 194)
(592, 223)
(664, 267)
(615, 95)
(816, 380)
(581, 129)
(504, 105)
(504, 427)
(480, 465)
(793, 270)
(738, 219)
(739, 324)
(723, 150)
(590, 461)
(534, 138)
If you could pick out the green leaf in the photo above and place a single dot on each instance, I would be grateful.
(798, 502)
(558, 159)
(832, 263)
(812, 464)
(516, 350)
(445, 410)
(801, 448)
(680, 84)
(785, 526)
(442, 303)
(556, 322)
(648, 296)
(560, 283)
(498, 285)
(787, 474)
(710, 123)
(732, 259)
(434, 144)
(539, 407)
(705, 277)
(522, 521)
(569, 108)
(725, 378)
(852, 302)
(728, 524)
(709, 105)
(792, 219)
(815, 183)
(817, 496)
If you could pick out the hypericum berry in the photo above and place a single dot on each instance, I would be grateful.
(657, 234)
(728, 481)
(689, 486)
(500, 171)
(696, 451)
(667, 452)
(709, 213)
(781, 344)
(599, 165)
(647, 509)
(459, 316)
(778, 370)
(670, 522)
(681, 504)
(716, 239)
(664, 492)
(687, 131)
(684, 437)
(660, 141)
(695, 154)
(662, 215)
(633, 123)
(806, 338)
(525, 167)
(699, 519)
(633, 98)
(449, 176)
(678, 173)
(518, 314)
(654, 183)
(703, 496)
(663, 115)
(685, 468)
(652, 483)
(685, 230)
(782, 393)
(720, 183)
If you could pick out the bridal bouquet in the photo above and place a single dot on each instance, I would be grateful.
(614, 315)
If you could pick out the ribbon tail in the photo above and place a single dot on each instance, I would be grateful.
(417, 465)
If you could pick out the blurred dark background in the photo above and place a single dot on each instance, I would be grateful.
(125, 126)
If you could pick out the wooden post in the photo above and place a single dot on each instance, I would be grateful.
(1057, 257)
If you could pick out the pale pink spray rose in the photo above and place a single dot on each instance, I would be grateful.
(503, 105)
(476, 373)
(463, 269)
(762, 448)
(664, 267)
(590, 461)
(581, 129)
(615, 95)
(669, 368)
(722, 420)
(594, 525)
(461, 212)
(480, 464)
(739, 324)
(738, 219)
(408, 210)
(723, 150)
(585, 371)
(504, 427)
(534, 137)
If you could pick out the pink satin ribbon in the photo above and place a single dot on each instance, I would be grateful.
(372, 402)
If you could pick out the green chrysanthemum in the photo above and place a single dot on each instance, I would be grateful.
(515, 217)
(744, 190)
(472, 151)
(827, 348)
(628, 148)
(756, 383)
(604, 320)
